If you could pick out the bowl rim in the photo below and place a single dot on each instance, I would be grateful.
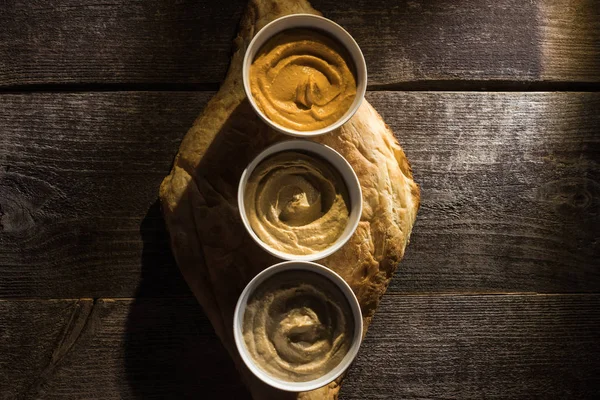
(330, 27)
(240, 308)
(334, 159)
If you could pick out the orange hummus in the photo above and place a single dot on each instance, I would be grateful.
(303, 80)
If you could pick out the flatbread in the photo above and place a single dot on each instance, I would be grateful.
(214, 252)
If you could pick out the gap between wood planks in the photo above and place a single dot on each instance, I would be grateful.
(78, 322)
(416, 294)
(412, 86)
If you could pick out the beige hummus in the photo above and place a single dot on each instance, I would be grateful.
(297, 203)
(303, 80)
(298, 326)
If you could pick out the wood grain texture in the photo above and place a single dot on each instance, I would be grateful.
(570, 39)
(35, 336)
(473, 347)
(189, 42)
(131, 349)
(77, 41)
(509, 347)
(79, 178)
(510, 191)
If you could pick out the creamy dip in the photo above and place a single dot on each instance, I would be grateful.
(303, 80)
(297, 203)
(298, 326)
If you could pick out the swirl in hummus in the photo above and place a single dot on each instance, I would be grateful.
(296, 203)
(298, 326)
(303, 80)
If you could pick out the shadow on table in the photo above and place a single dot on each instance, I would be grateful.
(170, 348)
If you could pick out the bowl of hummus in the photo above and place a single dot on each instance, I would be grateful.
(304, 75)
(297, 326)
(300, 200)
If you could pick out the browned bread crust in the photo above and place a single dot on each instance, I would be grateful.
(216, 255)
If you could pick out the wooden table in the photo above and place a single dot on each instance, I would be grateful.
(496, 104)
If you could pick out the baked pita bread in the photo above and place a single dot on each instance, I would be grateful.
(216, 255)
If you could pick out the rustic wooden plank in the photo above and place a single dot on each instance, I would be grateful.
(510, 191)
(75, 41)
(467, 347)
(79, 182)
(515, 346)
(189, 42)
(570, 39)
(509, 40)
(510, 187)
(34, 336)
(123, 349)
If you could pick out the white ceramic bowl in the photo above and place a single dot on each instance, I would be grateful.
(320, 24)
(333, 158)
(238, 321)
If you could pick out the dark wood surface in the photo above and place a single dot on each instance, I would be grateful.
(510, 191)
(160, 42)
(498, 294)
(507, 347)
